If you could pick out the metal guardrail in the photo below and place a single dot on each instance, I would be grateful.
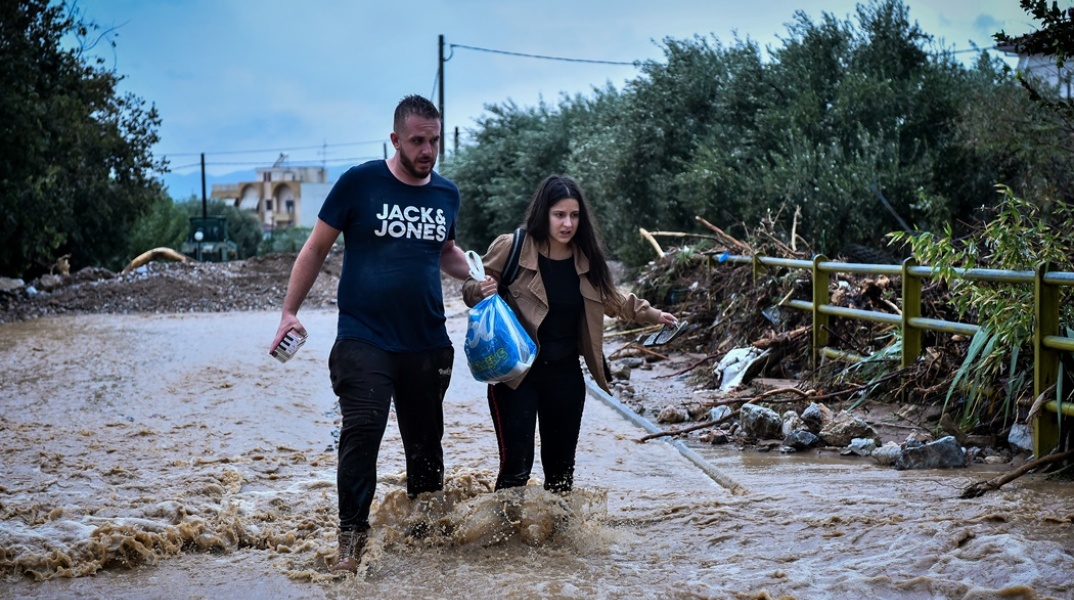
(1047, 343)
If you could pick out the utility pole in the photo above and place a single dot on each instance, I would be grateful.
(440, 78)
(204, 205)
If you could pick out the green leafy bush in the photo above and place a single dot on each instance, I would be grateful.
(1017, 237)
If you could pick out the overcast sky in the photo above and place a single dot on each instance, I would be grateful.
(244, 80)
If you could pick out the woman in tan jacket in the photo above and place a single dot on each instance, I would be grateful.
(561, 293)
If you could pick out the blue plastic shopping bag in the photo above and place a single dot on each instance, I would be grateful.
(497, 346)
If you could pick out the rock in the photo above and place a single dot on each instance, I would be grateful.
(944, 453)
(88, 274)
(672, 414)
(8, 284)
(801, 439)
(791, 421)
(719, 413)
(918, 438)
(760, 422)
(1021, 437)
(860, 446)
(620, 371)
(625, 391)
(816, 416)
(887, 454)
(698, 412)
(844, 428)
(48, 282)
(716, 437)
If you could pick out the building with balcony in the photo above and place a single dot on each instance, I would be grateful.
(281, 195)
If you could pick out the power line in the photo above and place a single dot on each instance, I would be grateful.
(290, 149)
(290, 164)
(542, 57)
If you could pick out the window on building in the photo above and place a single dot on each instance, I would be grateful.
(268, 205)
(290, 207)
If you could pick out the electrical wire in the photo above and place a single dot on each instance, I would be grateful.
(290, 149)
(544, 57)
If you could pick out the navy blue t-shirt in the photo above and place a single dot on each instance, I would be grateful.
(389, 290)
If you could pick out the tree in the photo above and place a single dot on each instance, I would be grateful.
(165, 224)
(76, 166)
(864, 124)
(515, 149)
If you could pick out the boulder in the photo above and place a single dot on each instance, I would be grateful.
(844, 428)
(944, 453)
(760, 422)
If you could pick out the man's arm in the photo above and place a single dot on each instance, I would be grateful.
(453, 261)
(304, 272)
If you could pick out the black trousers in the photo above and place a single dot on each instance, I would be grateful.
(367, 379)
(553, 394)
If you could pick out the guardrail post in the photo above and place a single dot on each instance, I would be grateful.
(821, 281)
(1045, 360)
(911, 309)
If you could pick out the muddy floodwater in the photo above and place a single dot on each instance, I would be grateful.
(164, 456)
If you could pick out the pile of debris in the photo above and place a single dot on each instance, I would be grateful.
(749, 359)
(160, 286)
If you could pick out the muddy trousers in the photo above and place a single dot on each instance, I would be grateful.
(552, 394)
(367, 379)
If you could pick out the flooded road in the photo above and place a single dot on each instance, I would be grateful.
(155, 456)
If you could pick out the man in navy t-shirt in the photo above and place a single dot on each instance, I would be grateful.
(397, 217)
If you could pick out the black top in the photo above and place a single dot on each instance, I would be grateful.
(558, 333)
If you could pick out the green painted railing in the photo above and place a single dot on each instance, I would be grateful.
(1047, 343)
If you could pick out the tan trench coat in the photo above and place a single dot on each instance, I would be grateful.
(530, 302)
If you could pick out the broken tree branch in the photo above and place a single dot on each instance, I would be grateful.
(788, 336)
(982, 487)
(794, 228)
(685, 234)
(649, 238)
(725, 235)
(710, 423)
(810, 395)
(688, 369)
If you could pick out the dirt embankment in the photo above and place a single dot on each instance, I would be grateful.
(258, 283)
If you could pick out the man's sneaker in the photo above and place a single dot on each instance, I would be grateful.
(351, 545)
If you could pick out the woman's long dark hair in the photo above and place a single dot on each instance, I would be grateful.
(586, 236)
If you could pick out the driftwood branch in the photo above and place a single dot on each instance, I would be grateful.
(794, 228)
(723, 234)
(683, 430)
(635, 346)
(784, 248)
(685, 234)
(982, 487)
(810, 395)
(649, 238)
(789, 336)
(688, 369)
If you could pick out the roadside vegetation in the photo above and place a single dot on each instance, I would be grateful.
(865, 126)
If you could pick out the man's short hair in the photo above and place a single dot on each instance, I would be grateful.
(414, 105)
